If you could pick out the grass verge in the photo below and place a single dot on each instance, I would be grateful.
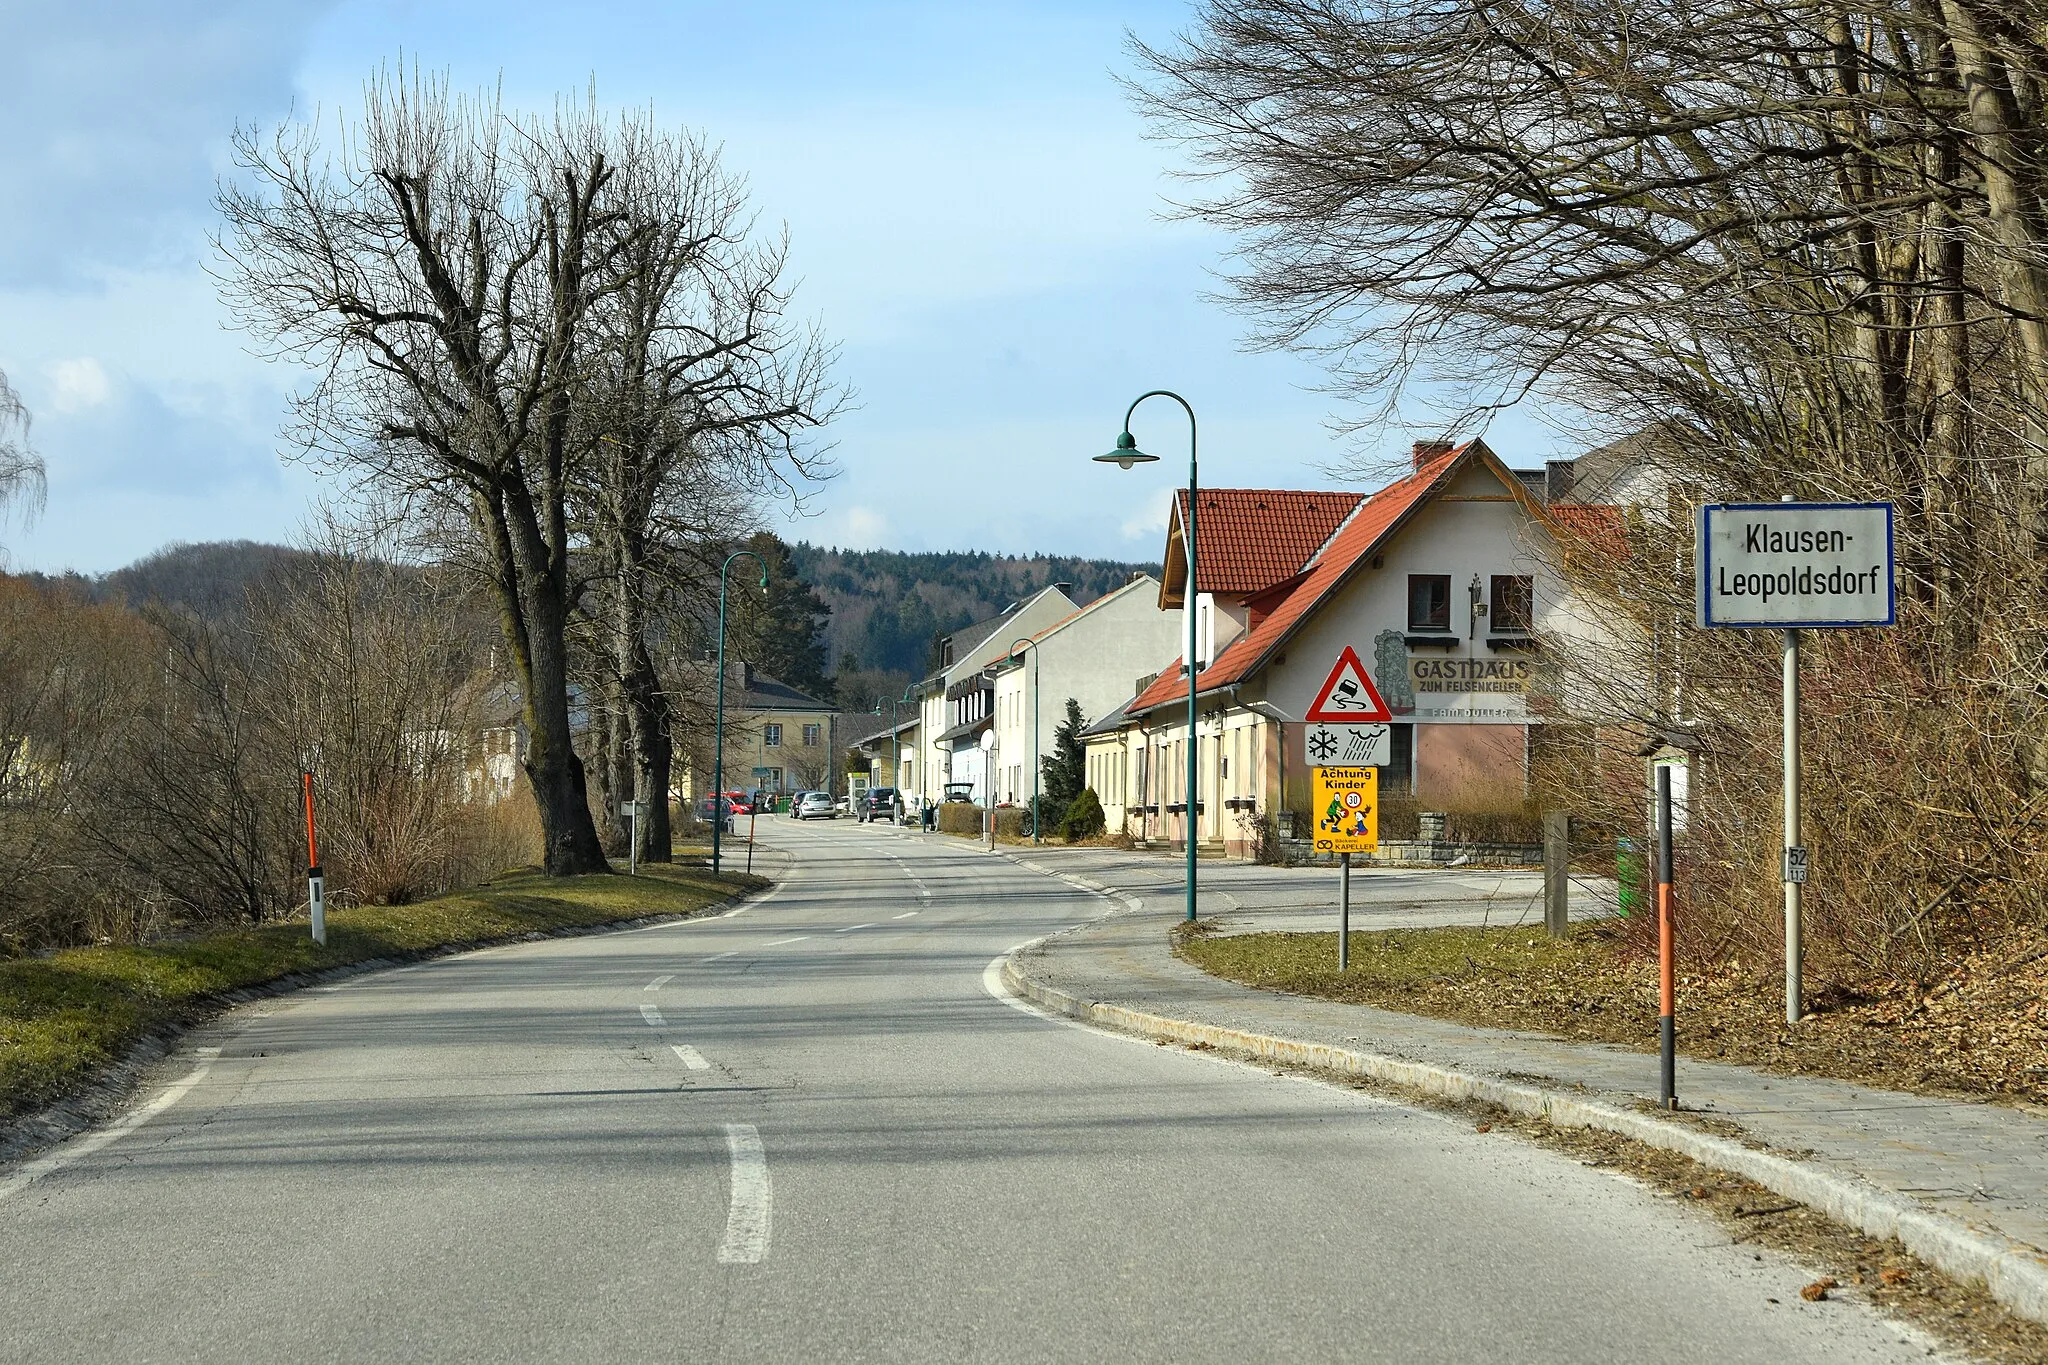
(65, 1016)
(1595, 986)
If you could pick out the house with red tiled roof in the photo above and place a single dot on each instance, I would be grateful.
(1439, 582)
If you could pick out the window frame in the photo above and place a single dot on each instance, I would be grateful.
(771, 734)
(1433, 580)
(1497, 622)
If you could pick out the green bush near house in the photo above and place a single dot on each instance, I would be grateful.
(1084, 819)
(64, 1016)
(1012, 822)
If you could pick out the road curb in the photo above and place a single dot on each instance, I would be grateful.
(2014, 1274)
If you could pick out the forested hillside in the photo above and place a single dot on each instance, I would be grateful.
(888, 605)
(210, 579)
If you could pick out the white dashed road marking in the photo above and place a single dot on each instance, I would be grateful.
(906, 914)
(780, 941)
(658, 982)
(692, 1058)
(652, 1016)
(750, 1218)
(851, 927)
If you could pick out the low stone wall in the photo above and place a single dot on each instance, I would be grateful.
(1422, 853)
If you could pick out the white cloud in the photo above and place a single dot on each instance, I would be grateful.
(1149, 521)
(78, 384)
(862, 528)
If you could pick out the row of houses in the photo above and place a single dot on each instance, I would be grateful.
(778, 738)
(1443, 582)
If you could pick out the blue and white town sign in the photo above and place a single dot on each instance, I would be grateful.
(1793, 565)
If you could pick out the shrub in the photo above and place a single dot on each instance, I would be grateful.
(959, 817)
(1084, 817)
(1012, 822)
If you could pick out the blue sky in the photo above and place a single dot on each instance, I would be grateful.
(977, 218)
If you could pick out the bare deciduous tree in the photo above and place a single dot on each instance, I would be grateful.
(695, 409)
(439, 269)
(1802, 248)
(21, 469)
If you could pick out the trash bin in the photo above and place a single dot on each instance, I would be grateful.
(1628, 875)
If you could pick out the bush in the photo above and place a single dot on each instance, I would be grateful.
(1013, 822)
(959, 817)
(1084, 818)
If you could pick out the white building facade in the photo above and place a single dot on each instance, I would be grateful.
(1099, 656)
(956, 703)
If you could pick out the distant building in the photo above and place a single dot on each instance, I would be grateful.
(891, 754)
(1094, 655)
(957, 702)
(777, 738)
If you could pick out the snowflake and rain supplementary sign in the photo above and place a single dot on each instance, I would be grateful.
(1347, 810)
(1348, 722)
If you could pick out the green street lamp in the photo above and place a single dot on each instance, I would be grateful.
(1124, 456)
(718, 726)
(1037, 758)
(895, 739)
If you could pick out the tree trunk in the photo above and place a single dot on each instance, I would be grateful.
(534, 610)
(644, 709)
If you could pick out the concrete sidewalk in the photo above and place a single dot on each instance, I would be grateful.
(1242, 898)
(1965, 1185)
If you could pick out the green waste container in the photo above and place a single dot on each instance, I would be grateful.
(1628, 875)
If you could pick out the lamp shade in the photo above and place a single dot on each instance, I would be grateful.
(1126, 453)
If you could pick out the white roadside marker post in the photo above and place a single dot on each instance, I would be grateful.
(316, 884)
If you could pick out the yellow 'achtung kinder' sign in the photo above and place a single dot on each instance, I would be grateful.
(1347, 810)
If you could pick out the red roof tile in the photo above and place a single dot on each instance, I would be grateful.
(1251, 538)
(1598, 525)
(1355, 542)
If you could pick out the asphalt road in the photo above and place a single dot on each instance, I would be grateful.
(808, 1131)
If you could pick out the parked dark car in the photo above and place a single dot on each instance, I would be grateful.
(877, 803)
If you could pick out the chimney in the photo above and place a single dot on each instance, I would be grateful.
(1558, 478)
(1064, 589)
(1425, 451)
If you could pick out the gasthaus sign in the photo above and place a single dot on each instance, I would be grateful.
(1790, 565)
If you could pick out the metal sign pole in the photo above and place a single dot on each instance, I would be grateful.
(1793, 869)
(632, 838)
(1667, 975)
(1343, 912)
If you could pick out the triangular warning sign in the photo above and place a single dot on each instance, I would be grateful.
(1348, 696)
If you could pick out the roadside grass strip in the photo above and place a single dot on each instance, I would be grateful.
(65, 1016)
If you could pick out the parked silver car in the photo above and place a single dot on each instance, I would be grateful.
(815, 806)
